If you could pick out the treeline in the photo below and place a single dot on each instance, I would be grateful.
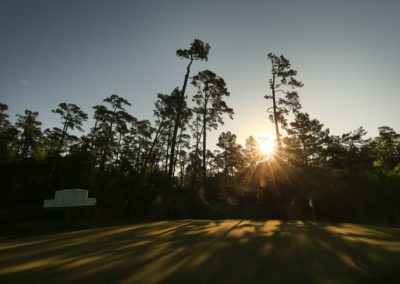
(165, 168)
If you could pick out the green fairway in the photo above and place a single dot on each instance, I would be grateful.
(203, 251)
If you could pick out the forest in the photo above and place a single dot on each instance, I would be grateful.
(166, 169)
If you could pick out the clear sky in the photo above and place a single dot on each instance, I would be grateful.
(81, 51)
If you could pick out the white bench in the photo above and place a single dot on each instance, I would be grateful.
(68, 198)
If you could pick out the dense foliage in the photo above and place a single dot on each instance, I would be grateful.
(165, 168)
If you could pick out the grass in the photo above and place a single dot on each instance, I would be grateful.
(205, 251)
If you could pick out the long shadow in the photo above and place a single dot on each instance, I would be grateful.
(294, 252)
(102, 245)
(201, 249)
(204, 251)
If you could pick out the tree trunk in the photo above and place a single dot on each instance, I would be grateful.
(204, 144)
(138, 155)
(103, 156)
(177, 121)
(150, 152)
(54, 164)
(119, 146)
(167, 152)
(278, 138)
(92, 144)
(64, 132)
(182, 173)
(194, 165)
(305, 158)
(177, 151)
(226, 178)
(94, 133)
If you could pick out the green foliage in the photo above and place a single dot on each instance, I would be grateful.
(306, 140)
(198, 51)
(386, 148)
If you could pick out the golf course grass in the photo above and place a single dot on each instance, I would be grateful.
(206, 251)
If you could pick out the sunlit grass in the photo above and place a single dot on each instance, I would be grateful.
(205, 251)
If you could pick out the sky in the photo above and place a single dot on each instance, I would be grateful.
(80, 51)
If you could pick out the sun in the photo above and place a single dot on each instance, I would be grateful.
(266, 146)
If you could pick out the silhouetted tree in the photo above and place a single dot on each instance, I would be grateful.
(306, 139)
(231, 159)
(72, 117)
(198, 51)
(52, 138)
(109, 121)
(252, 153)
(143, 142)
(210, 104)
(197, 132)
(283, 76)
(100, 111)
(8, 133)
(122, 120)
(30, 134)
(350, 177)
(387, 149)
(349, 152)
(164, 113)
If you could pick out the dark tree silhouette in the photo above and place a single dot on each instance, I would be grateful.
(72, 117)
(387, 149)
(109, 122)
(153, 169)
(305, 140)
(198, 51)
(30, 134)
(210, 104)
(230, 159)
(282, 76)
(8, 133)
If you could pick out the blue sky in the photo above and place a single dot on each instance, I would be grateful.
(346, 54)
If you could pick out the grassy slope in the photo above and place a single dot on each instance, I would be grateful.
(202, 251)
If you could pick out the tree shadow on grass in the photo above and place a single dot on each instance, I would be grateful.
(204, 251)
